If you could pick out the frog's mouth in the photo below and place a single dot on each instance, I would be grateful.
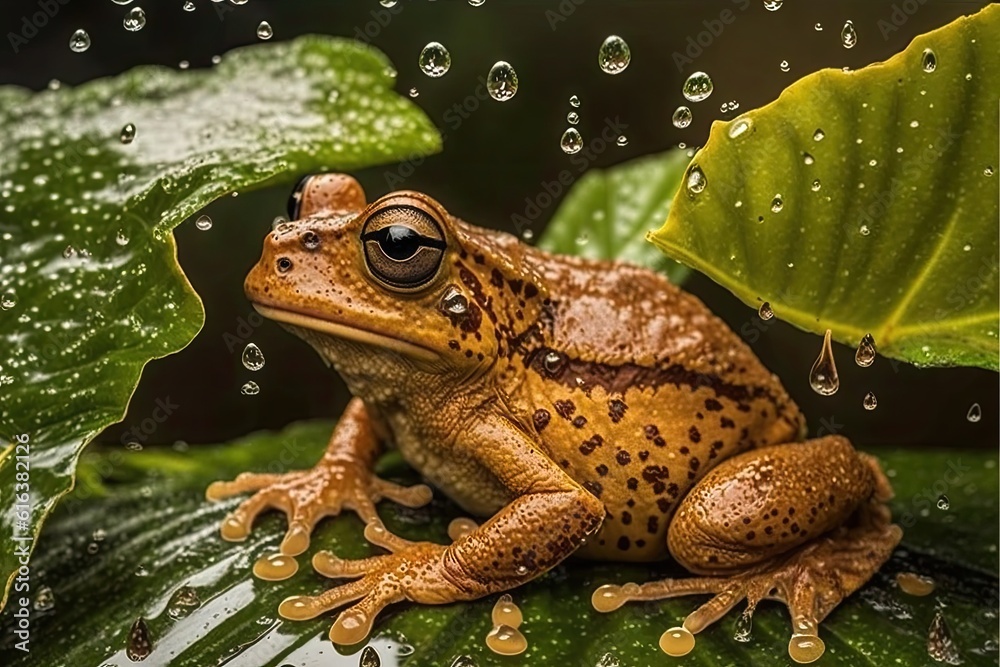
(313, 322)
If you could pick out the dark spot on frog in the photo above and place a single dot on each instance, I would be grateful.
(751, 535)
(479, 259)
(616, 409)
(541, 419)
(564, 409)
(626, 518)
(653, 525)
(712, 405)
(632, 483)
(468, 353)
(601, 470)
(663, 505)
(643, 455)
(655, 475)
(453, 344)
(651, 431)
(590, 445)
(530, 291)
(515, 287)
(594, 487)
(694, 463)
(743, 407)
(496, 278)
(623, 457)
(624, 543)
(694, 434)
(580, 421)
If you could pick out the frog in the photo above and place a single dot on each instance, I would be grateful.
(576, 407)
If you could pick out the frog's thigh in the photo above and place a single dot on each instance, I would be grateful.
(768, 501)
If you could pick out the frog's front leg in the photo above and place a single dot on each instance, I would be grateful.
(802, 523)
(549, 517)
(343, 478)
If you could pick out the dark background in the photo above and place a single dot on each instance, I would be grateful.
(498, 156)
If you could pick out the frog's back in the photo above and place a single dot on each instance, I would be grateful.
(637, 390)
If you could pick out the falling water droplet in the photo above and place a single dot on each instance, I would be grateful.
(697, 87)
(870, 401)
(369, 656)
(476, 3)
(264, 30)
(434, 60)
(676, 642)
(818, 27)
(79, 42)
(505, 612)
(784, 66)
(696, 180)
(865, 354)
(682, 117)
(139, 644)
(571, 141)
(928, 60)
(777, 204)
(848, 35)
(943, 502)
(823, 376)
(940, 645)
(975, 413)
(388, 4)
(135, 20)
(764, 312)
(203, 223)
(572, 118)
(414, 92)
(614, 55)
(773, 5)
(250, 389)
(188, 6)
(622, 140)
(501, 83)
(574, 101)
(805, 648)
(7, 301)
(253, 358)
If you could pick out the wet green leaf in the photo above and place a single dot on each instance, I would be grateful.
(158, 535)
(89, 282)
(608, 213)
(887, 183)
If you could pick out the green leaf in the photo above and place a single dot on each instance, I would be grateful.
(86, 253)
(608, 213)
(160, 535)
(888, 178)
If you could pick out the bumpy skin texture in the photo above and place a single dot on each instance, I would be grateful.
(586, 408)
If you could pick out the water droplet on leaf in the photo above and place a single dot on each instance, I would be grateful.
(696, 180)
(765, 312)
(928, 61)
(865, 354)
(203, 223)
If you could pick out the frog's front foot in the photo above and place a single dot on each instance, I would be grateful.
(306, 496)
(414, 571)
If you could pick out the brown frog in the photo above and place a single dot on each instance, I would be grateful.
(580, 407)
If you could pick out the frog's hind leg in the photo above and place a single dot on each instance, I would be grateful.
(804, 524)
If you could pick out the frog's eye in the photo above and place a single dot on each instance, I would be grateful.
(404, 246)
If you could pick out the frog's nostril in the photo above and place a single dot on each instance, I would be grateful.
(310, 240)
(284, 265)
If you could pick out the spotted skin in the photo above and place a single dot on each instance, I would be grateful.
(578, 407)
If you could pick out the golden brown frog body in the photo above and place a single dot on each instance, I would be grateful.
(588, 408)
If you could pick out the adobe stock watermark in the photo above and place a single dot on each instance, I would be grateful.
(245, 326)
(140, 432)
(550, 191)
(32, 23)
(901, 13)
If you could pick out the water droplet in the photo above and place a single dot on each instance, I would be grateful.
(676, 642)
(184, 600)
(264, 30)
(988, 171)
(454, 302)
(68, 252)
(696, 180)
(765, 312)
(501, 83)
(682, 117)
(204, 223)
(848, 36)
(816, 185)
(184, 64)
(44, 599)
(135, 20)
(571, 141)
(743, 627)
(369, 656)
(572, 118)
(7, 301)
(505, 640)
(434, 60)
(275, 567)
(864, 231)
(250, 389)
(253, 358)
(870, 402)
(574, 101)
(127, 135)
(622, 140)
(414, 92)
(773, 5)
(818, 27)
(865, 354)
(912, 583)
(614, 55)
(975, 413)
(139, 645)
(823, 376)
(777, 204)
(819, 135)
(928, 60)
(805, 648)
(784, 66)
(388, 4)
(739, 127)
(505, 612)
(553, 362)
(188, 6)
(943, 502)
(697, 87)
(79, 41)
(460, 527)
(940, 646)
(476, 3)
(121, 2)
(914, 123)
